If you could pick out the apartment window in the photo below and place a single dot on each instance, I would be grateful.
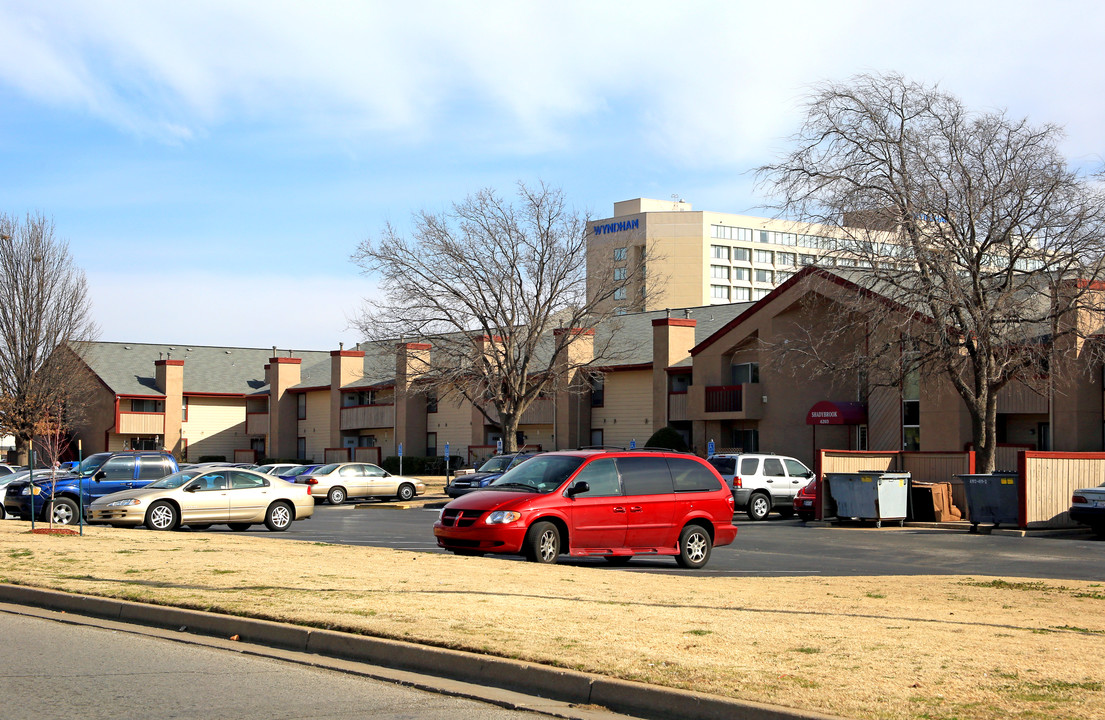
(742, 294)
(746, 440)
(807, 259)
(765, 257)
(741, 274)
(431, 407)
(719, 272)
(785, 258)
(431, 444)
(740, 255)
(846, 262)
(719, 292)
(301, 406)
(765, 276)
(147, 406)
(719, 252)
(911, 406)
(619, 273)
(619, 254)
(781, 276)
(301, 448)
(184, 410)
(745, 373)
(620, 294)
(598, 391)
(364, 397)
(760, 294)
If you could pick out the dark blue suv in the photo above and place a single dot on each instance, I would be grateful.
(98, 475)
(490, 470)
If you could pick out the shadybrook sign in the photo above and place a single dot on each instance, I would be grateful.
(613, 227)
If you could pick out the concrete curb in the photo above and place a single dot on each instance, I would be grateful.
(569, 686)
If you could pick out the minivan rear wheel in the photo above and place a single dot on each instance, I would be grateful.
(543, 543)
(694, 547)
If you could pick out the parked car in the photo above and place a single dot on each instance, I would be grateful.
(211, 496)
(6, 469)
(276, 469)
(761, 482)
(6, 480)
(337, 481)
(804, 501)
(58, 498)
(1087, 506)
(292, 474)
(611, 504)
(491, 469)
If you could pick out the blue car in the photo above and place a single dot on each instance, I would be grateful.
(490, 470)
(295, 472)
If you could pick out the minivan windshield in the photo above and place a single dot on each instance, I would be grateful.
(496, 464)
(542, 474)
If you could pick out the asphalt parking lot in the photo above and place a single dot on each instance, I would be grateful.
(772, 548)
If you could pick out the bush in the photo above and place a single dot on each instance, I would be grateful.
(669, 438)
(415, 465)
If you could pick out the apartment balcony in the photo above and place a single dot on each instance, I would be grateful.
(366, 417)
(677, 406)
(540, 412)
(725, 402)
(257, 423)
(137, 423)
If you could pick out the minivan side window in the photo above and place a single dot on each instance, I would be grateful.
(602, 476)
(645, 475)
(749, 466)
(692, 476)
(773, 467)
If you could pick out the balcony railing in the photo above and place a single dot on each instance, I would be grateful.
(257, 423)
(363, 417)
(132, 423)
(677, 405)
(724, 398)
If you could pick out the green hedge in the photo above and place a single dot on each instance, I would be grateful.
(416, 465)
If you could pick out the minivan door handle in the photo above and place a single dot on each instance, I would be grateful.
(619, 509)
(636, 508)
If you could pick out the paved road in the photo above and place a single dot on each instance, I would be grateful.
(61, 670)
(775, 547)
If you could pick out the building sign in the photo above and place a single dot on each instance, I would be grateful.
(613, 227)
(827, 412)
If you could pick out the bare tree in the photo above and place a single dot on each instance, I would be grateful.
(975, 244)
(45, 304)
(488, 284)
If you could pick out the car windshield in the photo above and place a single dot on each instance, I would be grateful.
(496, 464)
(293, 472)
(264, 468)
(543, 474)
(175, 480)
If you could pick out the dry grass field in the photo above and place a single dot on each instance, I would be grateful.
(879, 647)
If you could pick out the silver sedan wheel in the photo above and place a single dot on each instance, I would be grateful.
(280, 517)
(162, 517)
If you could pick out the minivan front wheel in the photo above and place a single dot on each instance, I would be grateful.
(543, 543)
(694, 547)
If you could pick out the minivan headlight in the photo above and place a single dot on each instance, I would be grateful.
(501, 517)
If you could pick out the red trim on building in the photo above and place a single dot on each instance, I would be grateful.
(286, 360)
(172, 363)
(347, 353)
(573, 331)
(674, 322)
(615, 368)
(416, 346)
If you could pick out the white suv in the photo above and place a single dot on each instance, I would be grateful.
(761, 482)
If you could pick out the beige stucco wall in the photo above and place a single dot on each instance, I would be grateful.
(215, 426)
(316, 426)
(627, 411)
(453, 424)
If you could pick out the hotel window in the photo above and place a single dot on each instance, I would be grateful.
(619, 274)
(619, 254)
(719, 252)
(807, 259)
(765, 257)
(760, 294)
(719, 272)
(742, 294)
(785, 258)
(741, 274)
(719, 292)
(846, 262)
(782, 276)
(764, 276)
(620, 294)
(740, 254)
(301, 406)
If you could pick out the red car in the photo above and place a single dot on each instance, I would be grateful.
(611, 504)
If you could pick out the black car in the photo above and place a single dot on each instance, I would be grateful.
(490, 470)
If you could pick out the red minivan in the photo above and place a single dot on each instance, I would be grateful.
(611, 504)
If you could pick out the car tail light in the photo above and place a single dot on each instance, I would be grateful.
(311, 481)
(1078, 499)
(737, 482)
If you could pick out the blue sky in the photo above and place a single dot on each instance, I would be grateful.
(214, 164)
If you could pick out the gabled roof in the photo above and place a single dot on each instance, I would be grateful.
(128, 368)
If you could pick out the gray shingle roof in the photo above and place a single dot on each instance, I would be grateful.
(128, 368)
